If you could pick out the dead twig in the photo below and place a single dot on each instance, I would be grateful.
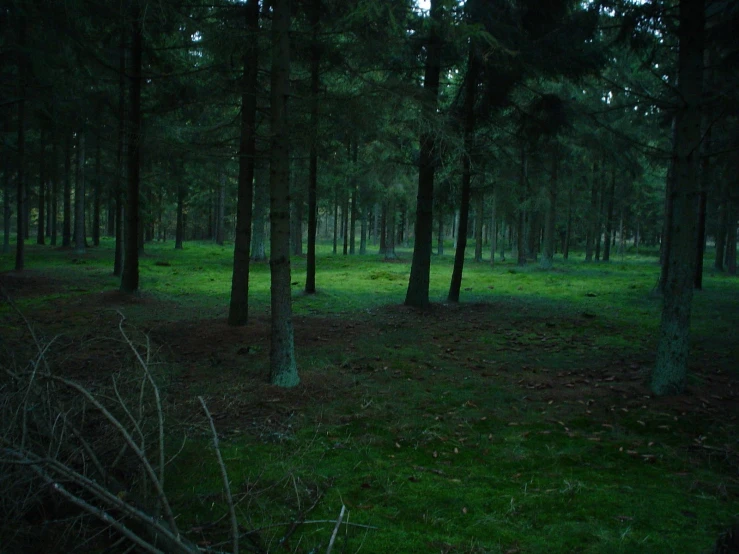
(224, 476)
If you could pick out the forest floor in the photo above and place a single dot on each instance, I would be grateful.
(517, 421)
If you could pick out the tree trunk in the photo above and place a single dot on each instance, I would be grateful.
(336, 218)
(6, 200)
(592, 216)
(259, 217)
(54, 176)
(20, 248)
(179, 233)
(547, 257)
(723, 225)
(383, 230)
(731, 240)
(390, 220)
(478, 225)
(130, 277)
(43, 165)
(238, 312)
(440, 231)
(417, 293)
(521, 227)
(220, 209)
(493, 229)
(283, 370)
(79, 196)
(670, 371)
(67, 193)
(665, 246)
(609, 217)
(345, 223)
(315, 86)
(352, 220)
(470, 85)
(96, 193)
(118, 201)
(568, 231)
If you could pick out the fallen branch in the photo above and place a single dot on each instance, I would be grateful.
(336, 529)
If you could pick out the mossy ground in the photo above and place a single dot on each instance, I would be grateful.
(516, 421)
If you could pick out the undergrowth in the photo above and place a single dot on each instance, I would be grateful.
(517, 421)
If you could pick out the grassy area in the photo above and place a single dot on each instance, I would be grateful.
(516, 421)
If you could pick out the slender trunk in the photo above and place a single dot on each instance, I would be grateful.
(96, 193)
(345, 223)
(464, 208)
(592, 215)
(547, 257)
(609, 217)
(363, 230)
(670, 371)
(20, 252)
(521, 227)
(440, 231)
(390, 230)
(43, 164)
(130, 277)
(352, 220)
(493, 229)
(502, 239)
(118, 200)
(383, 230)
(283, 369)
(180, 229)
(336, 218)
(220, 209)
(723, 226)
(238, 313)
(315, 86)
(568, 231)
(417, 293)
(478, 226)
(599, 211)
(67, 200)
(54, 176)
(6, 199)
(79, 196)
(261, 205)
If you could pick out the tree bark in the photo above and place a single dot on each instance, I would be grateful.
(79, 196)
(417, 294)
(261, 205)
(473, 67)
(390, 219)
(592, 215)
(731, 240)
(96, 192)
(283, 369)
(723, 226)
(6, 197)
(478, 225)
(20, 251)
(609, 217)
(43, 165)
(547, 257)
(130, 277)
(493, 228)
(238, 312)
(665, 246)
(315, 85)
(118, 201)
(521, 227)
(670, 371)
